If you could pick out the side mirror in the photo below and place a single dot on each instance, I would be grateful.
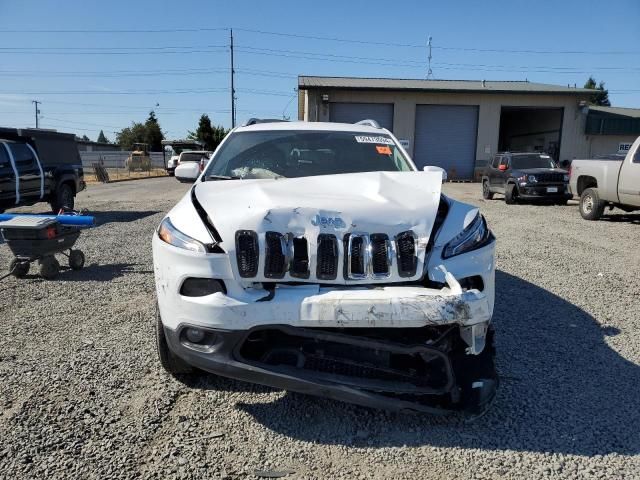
(442, 171)
(502, 168)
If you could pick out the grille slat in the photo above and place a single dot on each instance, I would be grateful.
(380, 254)
(327, 257)
(247, 253)
(406, 253)
(299, 265)
(275, 258)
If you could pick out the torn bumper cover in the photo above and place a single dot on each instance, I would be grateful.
(363, 367)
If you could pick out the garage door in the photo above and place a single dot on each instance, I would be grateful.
(446, 137)
(354, 112)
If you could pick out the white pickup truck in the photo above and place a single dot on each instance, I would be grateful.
(607, 183)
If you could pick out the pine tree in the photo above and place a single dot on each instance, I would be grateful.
(602, 97)
(102, 138)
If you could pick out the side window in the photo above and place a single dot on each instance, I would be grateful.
(496, 161)
(505, 161)
(22, 155)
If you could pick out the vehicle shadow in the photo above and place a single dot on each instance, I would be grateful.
(563, 390)
(120, 216)
(633, 218)
(96, 273)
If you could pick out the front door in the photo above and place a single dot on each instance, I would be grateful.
(28, 170)
(629, 183)
(7, 179)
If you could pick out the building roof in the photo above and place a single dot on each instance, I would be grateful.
(623, 112)
(476, 86)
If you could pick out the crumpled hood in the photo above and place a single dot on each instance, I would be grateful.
(372, 202)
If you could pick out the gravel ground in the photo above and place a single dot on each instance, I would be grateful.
(82, 395)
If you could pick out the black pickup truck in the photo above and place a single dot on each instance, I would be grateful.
(39, 166)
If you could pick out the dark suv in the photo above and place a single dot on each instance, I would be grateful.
(526, 176)
(39, 166)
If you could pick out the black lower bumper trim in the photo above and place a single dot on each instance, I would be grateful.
(231, 357)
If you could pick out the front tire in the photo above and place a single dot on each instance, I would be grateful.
(591, 207)
(63, 198)
(173, 365)
(486, 191)
(510, 194)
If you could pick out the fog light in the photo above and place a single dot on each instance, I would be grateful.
(200, 287)
(194, 335)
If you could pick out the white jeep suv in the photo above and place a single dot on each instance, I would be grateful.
(314, 257)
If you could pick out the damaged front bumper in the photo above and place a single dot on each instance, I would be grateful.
(364, 367)
(414, 347)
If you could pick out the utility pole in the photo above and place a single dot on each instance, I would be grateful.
(36, 103)
(429, 72)
(233, 91)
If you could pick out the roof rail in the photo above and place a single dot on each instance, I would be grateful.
(369, 122)
(255, 121)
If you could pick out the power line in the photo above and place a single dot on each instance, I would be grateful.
(146, 73)
(98, 49)
(156, 30)
(541, 52)
(414, 45)
(324, 38)
(331, 39)
(40, 51)
(47, 117)
(121, 92)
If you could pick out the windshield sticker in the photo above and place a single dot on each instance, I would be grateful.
(368, 139)
(383, 149)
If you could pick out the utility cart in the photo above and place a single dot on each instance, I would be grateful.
(32, 238)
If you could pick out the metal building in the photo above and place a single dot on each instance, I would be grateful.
(456, 124)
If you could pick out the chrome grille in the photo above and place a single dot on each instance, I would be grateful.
(366, 256)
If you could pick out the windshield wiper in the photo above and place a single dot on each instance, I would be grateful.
(223, 177)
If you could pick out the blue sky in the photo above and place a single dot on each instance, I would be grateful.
(175, 54)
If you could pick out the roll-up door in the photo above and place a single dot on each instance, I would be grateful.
(445, 136)
(354, 112)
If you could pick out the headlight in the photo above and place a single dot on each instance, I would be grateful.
(474, 236)
(532, 179)
(565, 178)
(171, 235)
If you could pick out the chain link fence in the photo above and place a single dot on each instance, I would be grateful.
(107, 166)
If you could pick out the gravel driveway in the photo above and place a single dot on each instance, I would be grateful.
(82, 395)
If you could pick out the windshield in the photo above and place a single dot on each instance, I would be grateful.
(178, 149)
(522, 162)
(192, 157)
(275, 154)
